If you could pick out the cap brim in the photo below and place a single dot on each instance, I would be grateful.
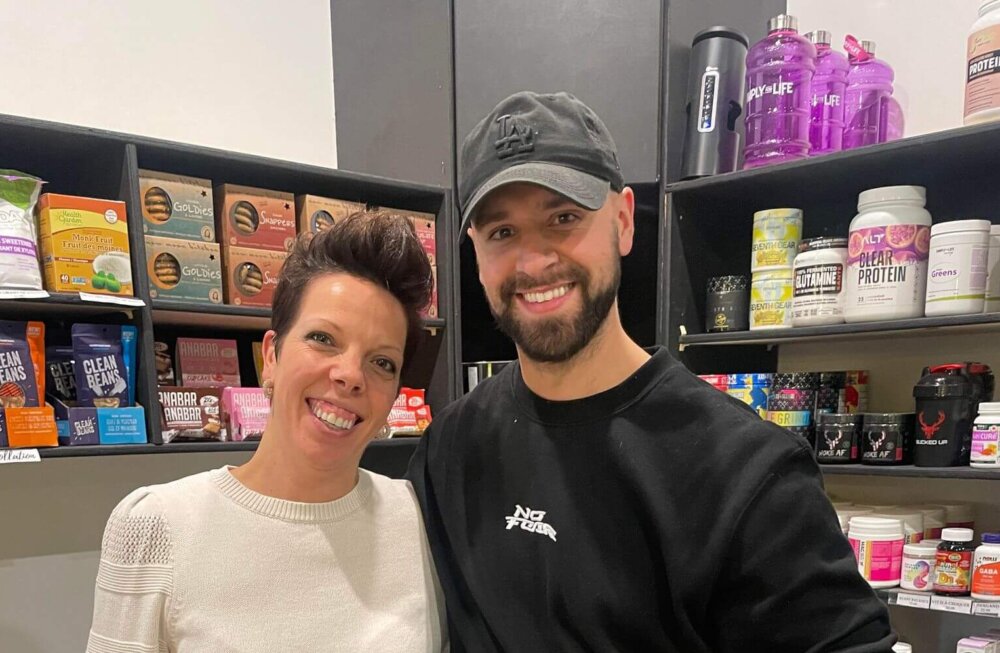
(579, 187)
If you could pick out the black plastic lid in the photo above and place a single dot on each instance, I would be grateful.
(720, 31)
(732, 283)
(943, 384)
(816, 244)
(890, 419)
(839, 419)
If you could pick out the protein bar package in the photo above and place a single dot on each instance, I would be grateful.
(18, 231)
(60, 379)
(208, 363)
(100, 354)
(22, 364)
(191, 414)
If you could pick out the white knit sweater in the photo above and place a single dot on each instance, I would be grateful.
(206, 564)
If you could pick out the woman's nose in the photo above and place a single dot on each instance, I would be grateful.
(348, 373)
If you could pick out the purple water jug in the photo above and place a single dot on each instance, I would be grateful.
(871, 115)
(779, 75)
(826, 127)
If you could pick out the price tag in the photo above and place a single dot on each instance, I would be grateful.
(19, 456)
(952, 604)
(111, 299)
(986, 608)
(922, 601)
(16, 293)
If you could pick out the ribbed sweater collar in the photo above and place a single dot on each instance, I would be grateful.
(293, 511)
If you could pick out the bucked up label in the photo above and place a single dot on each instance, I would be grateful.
(887, 266)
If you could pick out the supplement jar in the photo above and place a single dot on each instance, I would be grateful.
(934, 521)
(986, 569)
(913, 522)
(982, 81)
(845, 515)
(956, 268)
(837, 438)
(727, 304)
(887, 438)
(958, 515)
(771, 300)
(878, 547)
(887, 255)
(751, 389)
(993, 272)
(918, 567)
(953, 564)
(818, 297)
(776, 237)
(792, 401)
(986, 436)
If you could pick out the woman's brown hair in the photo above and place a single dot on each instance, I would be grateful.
(374, 245)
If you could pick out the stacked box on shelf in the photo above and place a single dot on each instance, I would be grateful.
(316, 214)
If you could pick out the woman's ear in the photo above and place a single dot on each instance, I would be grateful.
(269, 349)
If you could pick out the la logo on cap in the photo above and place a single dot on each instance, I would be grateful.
(514, 136)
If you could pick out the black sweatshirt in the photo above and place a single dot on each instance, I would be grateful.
(660, 515)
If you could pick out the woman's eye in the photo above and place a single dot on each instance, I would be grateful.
(502, 233)
(386, 365)
(321, 338)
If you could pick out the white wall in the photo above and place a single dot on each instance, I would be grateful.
(246, 75)
(923, 40)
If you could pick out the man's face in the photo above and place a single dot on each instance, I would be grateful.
(550, 268)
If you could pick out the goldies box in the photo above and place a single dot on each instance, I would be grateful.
(254, 217)
(250, 275)
(84, 245)
(424, 225)
(184, 270)
(177, 207)
(431, 311)
(317, 213)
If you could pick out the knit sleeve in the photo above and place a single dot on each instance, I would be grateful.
(134, 580)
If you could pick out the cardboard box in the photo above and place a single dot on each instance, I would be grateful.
(207, 363)
(191, 414)
(245, 411)
(250, 275)
(177, 207)
(426, 228)
(316, 213)
(28, 427)
(254, 217)
(184, 270)
(107, 426)
(431, 312)
(84, 244)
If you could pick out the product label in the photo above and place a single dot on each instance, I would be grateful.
(986, 577)
(789, 418)
(771, 303)
(818, 291)
(887, 266)
(985, 444)
(957, 273)
(917, 574)
(952, 572)
(982, 85)
(882, 446)
(727, 311)
(836, 444)
(776, 237)
(754, 396)
(879, 561)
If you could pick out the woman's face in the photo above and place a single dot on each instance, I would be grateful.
(336, 370)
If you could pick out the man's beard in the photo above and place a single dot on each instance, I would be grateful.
(557, 339)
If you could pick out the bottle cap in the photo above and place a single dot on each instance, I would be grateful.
(892, 194)
(820, 37)
(991, 538)
(957, 535)
(989, 407)
(721, 32)
(960, 225)
(869, 47)
(783, 21)
(815, 244)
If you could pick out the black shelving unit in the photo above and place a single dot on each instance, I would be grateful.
(912, 471)
(96, 163)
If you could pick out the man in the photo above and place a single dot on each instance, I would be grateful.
(596, 497)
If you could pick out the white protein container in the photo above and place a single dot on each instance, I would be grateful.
(956, 268)
(993, 272)
(878, 547)
(982, 81)
(818, 294)
(887, 255)
(845, 515)
(986, 437)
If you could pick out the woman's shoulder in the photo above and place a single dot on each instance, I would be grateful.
(157, 500)
(394, 493)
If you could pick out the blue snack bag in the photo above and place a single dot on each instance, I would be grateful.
(101, 374)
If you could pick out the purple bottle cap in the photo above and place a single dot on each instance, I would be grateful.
(991, 538)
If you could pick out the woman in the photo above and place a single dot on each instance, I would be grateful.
(299, 549)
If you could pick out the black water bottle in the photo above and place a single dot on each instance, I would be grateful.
(946, 408)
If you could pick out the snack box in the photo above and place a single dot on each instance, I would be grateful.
(191, 414)
(83, 425)
(245, 412)
(174, 206)
(33, 426)
(163, 357)
(424, 225)
(254, 217)
(207, 363)
(316, 214)
(431, 311)
(184, 270)
(84, 244)
(250, 275)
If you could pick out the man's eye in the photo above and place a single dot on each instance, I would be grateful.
(567, 218)
(502, 233)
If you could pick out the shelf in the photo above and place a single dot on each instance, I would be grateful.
(911, 471)
(224, 316)
(58, 305)
(922, 326)
(926, 601)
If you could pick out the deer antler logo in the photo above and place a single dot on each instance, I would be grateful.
(931, 429)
